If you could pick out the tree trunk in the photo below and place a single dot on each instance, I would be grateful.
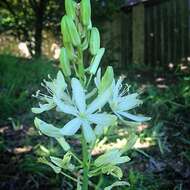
(39, 9)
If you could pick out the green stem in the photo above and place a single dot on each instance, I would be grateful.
(70, 177)
(89, 81)
(85, 155)
(76, 158)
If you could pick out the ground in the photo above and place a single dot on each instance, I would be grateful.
(159, 160)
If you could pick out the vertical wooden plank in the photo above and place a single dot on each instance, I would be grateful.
(147, 34)
(162, 34)
(138, 33)
(185, 29)
(151, 35)
(123, 39)
(154, 8)
(157, 35)
(129, 37)
(183, 23)
(179, 30)
(170, 32)
(175, 31)
(165, 22)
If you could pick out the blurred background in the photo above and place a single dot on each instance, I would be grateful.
(147, 41)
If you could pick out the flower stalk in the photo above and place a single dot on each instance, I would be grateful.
(86, 106)
(85, 155)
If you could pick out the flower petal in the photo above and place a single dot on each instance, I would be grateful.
(99, 129)
(97, 79)
(71, 127)
(102, 119)
(65, 108)
(47, 129)
(60, 84)
(137, 118)
(78, 94)
(42, 108)
(88, 132)
(129, 102)
(111, 157)
(99, 102)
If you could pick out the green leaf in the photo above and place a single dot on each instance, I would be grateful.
(63, 143)
(63, 163)
(55, 168)
(107, 80)
(112, 170)
(96, 61)
(130, 143)
(116, 184)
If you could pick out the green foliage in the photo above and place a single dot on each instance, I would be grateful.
(19, 78)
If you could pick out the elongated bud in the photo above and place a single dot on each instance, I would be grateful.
(65, 64)
(96, 61)
(69, 31)
(94, 41)
(70, 7)
(64, 31)
(107, 80)
(72, 31)
(70, 51)
(85, 9)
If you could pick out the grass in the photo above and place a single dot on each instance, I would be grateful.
(163, 165)
(19, 78)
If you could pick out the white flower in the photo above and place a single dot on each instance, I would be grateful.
(56, 90)
(84, 115)
(120, 103)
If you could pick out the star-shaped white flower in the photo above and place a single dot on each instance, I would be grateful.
(121, 104)
(84, 115)
(56, 90)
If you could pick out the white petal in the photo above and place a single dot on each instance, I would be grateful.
(99, 129)
(47, 129)
(129, 102)
(137, 118)
(60, 84)
(78, 94)
(102, 119)
(97, 79)
(71, 127)
(42, 108)
(88, 132)
(116, 88)
(99, 102)
(65, 108)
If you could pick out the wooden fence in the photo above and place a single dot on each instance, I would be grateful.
(156, 33)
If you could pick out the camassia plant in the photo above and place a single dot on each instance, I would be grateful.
(93, 102)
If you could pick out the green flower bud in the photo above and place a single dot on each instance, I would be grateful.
(85, 12)
(65, 64)
(70, 7)
(94, 41)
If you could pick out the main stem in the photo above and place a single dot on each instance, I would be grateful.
(85, 155)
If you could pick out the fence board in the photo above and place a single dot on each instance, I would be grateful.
(166, 33)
